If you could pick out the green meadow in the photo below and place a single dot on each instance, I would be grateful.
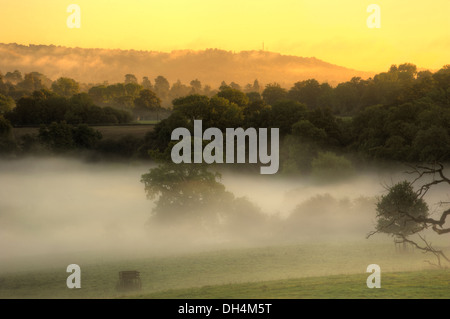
(311, 270)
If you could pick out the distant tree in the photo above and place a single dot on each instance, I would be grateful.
(432, 144)
(7, 143)
(395, 86)
(85, 137)
(130, 78)
(253, 97)
(115, 90)
(424, 75)
(63, 137)
(407, 72)
(193, 107)
(5, 127)
(65, 87)
(324, 119)
(162, 87)
(234, 96)
(81, 99)
(147, 100)
(222, 114)
(178, 90)
(98, 94)
(124, 102)
(285, 114)
(235, 86)
(157, 142)
(132, 89)
(274, 93)
(57, 136)
(257, 114)
(248, 88)
(442, 78)
(43, 107)
(13, 77)
(308, 132)
(256, 86)
(31, 82)
(207, 90)
(6, 104)
(146, 84)
(196, 87)
(424, 85)
(214, 112)
(224, 85)
(326, 98)
(126, 146)
(328, 166)
(306, 92)
(348, 96)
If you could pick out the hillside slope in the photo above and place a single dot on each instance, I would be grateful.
(210, 66)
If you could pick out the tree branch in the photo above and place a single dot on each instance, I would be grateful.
(427, 248)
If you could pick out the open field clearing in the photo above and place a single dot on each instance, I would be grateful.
(293, 271)
(433, 284)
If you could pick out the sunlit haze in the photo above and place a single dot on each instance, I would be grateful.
(333, 31)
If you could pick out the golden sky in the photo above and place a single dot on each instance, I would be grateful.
(331, 30)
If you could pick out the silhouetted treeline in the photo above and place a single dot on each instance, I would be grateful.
(399, 85)
(400, 115)
(44, 107)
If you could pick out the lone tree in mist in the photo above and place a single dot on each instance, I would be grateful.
(185, 192)
(190, 195)
(403, 212)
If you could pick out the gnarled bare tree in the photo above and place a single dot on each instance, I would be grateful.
(403, 212)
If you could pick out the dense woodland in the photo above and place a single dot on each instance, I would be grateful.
(399, 115)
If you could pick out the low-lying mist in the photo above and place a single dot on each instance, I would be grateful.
(62, 206)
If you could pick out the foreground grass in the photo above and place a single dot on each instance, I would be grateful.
(430, 284)
(294, 271)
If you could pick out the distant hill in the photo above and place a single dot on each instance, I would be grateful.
(210, 66)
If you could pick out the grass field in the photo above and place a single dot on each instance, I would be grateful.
(428, 284)
(292, 271)
(148, 122)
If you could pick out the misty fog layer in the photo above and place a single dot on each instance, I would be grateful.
(51, 206)
(209, 66)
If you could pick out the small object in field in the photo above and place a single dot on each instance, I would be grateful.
(129, 280)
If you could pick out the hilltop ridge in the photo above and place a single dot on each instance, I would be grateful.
(210, 66)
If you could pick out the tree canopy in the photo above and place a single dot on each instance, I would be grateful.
(403, 212)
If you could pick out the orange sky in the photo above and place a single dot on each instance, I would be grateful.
(332, 30)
